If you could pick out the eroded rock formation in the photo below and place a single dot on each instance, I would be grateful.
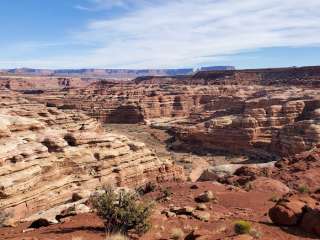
(261, 121)
(47, 154)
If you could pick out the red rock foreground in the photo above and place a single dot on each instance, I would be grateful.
(211, 220)
(210, 209)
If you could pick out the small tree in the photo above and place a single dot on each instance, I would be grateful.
(242, 227)
(122, 211)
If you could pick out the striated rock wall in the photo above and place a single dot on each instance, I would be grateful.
(264, 112)
(262, 121)
(282, 122)
(47, 154)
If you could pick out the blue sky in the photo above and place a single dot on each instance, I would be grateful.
(159, 34)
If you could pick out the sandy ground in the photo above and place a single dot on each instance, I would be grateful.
(231, 205)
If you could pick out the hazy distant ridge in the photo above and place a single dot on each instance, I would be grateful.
(111, 73)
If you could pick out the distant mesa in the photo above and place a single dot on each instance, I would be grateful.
(112, 73)
(217, 68)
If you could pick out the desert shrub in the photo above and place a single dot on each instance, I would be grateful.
(122, 211)
(303, 189)
(177, 234)
(242, 227)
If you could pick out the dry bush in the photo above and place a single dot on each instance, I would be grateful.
(122, 211)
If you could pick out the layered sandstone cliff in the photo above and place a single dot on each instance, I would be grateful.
(268, 123)
(267, 113)
(261, 121)
(46, 155)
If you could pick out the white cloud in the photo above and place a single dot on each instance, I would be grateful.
(98, 5)
(179, 33)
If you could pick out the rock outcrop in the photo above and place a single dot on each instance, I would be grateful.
(47, 155)
(265, 124)
(299, 172)
(301, 211)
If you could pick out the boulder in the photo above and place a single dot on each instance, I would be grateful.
(201, 215)
(207, 196)
(264, 184)
(41, 222)
(223, 171)
(311, 220)
(289, 210)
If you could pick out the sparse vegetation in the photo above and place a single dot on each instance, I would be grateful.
(242, 227)
(122, 211)
(303, 189)
(177, 234)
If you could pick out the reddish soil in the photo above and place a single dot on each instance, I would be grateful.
(233, 204)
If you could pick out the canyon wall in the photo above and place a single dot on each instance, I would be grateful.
(262, 121)
(47, 155)
(264, 112)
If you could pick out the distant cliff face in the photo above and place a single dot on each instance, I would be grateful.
(304, 76)
(32, 84)
(110, 73)
(307, 76)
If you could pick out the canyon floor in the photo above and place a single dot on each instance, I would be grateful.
(160, 141)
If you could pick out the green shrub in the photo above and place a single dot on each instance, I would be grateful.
(122, 211)
(303, 189)
(242, 227)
